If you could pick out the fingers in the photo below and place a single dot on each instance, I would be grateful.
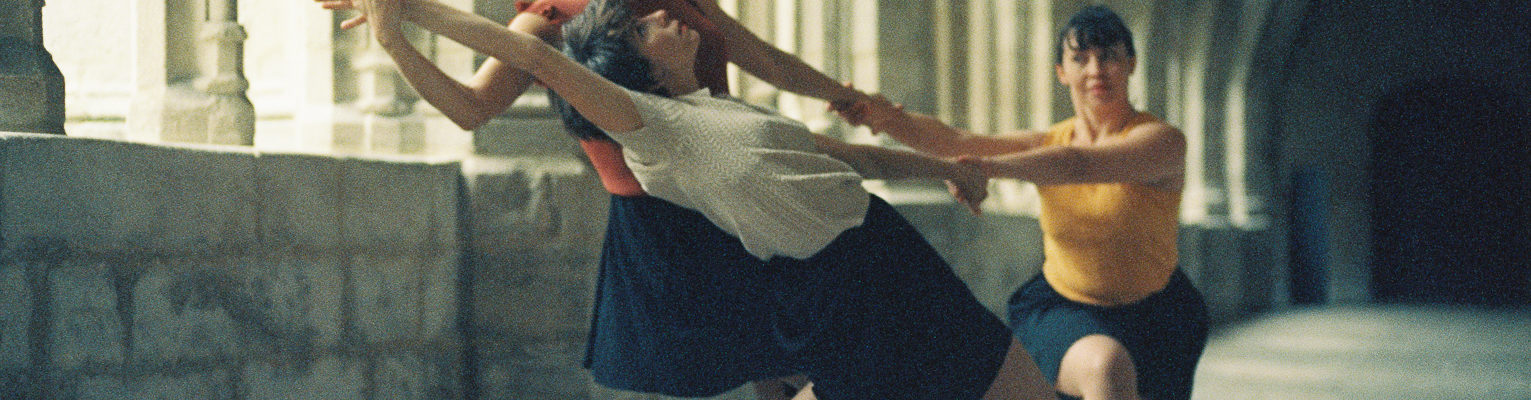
(335, 4)
(353, 22)
(971, 200)
(344, 5)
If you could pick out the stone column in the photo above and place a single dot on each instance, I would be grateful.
(31, 87)
(197, 99)
(220, 56)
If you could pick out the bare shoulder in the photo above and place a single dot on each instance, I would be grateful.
(1159, 134)
(1156, 128)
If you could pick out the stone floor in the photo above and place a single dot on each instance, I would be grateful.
(1351, 353)
(1371, 352)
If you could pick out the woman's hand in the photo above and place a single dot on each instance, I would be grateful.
(852, 110)
(968, 184)
(385, 16)
(873, 111)
(343, 5)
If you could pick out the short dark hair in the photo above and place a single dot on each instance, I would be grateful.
(601, 38)
(1094, 26)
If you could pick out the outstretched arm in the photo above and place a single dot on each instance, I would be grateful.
(966, 182)
(929, 135)
(1153, 154)
(603, 103)
(775, 66)
(468, 104)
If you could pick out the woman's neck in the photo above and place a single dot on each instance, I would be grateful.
(679, 82)
(1099, 121)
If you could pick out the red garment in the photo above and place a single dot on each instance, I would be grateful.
(711, 60)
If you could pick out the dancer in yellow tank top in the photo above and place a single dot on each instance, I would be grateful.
(1110, 316)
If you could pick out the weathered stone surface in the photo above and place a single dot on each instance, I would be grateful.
(299, 201)
(181, 313)
(108, 195)
(535, 370)
(536, 228)
(211, 385)
(551, 204)
(326, 378)
(439, 296)
(291, 302)
(386, 298)
(15, 318)
(86, 328)
(410, 377)
(538, 295)
(392, 205)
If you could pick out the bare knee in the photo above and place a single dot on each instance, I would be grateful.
(1098, 367)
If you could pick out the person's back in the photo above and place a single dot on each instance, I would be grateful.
(757, 175)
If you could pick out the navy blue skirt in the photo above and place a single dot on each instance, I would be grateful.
(1165, 333)
(878, 314)
(681, 309)
(677, 305)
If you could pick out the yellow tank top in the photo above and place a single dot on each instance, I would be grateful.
(1107, 243)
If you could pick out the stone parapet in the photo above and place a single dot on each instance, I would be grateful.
(144, 271)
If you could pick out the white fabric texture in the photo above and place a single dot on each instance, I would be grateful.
(753, 173)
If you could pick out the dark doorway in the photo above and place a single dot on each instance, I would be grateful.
(1450, 194)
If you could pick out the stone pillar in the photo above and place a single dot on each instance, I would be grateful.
(31, 87)
(197, 99)
(220, 56)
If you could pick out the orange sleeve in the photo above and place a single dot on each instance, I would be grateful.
(556, 11)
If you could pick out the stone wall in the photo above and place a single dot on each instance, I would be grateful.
(149, 271)
(136, 271)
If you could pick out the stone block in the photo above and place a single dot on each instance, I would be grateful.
(299, 201)
(181, 313)
(108, 195)
(291, 301)
(547, 204)
(533, 294)
(535, 370)
(439, 296)
(86, 329)
(15, 319)
(411, 377)
(525, 135)
(330, 378)
(386, 297)
(31, 86)
(210, 385)
(390, 205)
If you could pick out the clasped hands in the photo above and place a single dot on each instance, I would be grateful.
(876, 112)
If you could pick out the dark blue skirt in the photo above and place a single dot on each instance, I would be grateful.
(1165, 333)
(878, 314)
(681, 309)
(677, 305)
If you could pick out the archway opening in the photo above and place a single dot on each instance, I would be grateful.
(1450, 194)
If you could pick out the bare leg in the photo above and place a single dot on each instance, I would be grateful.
(778, 388)
(806, 393)
(1019, 378)
(1097, 367)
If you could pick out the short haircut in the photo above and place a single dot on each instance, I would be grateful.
(601, 39)
(1095, 26)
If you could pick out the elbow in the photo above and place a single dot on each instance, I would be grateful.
(470, 121)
